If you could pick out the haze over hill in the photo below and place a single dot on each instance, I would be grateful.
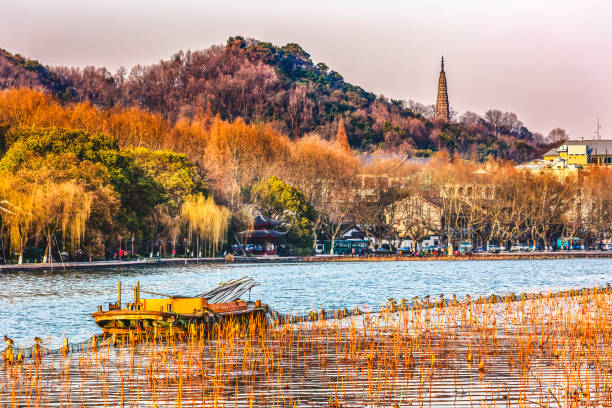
(262, 82)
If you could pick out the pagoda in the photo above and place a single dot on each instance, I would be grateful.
(442, 110)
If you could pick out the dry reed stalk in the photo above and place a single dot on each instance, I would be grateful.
(547, 350)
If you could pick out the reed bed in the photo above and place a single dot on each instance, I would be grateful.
(548, 350)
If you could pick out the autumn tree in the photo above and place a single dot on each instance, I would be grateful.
(326, 175)
(597, 187)
(238, 155)
(207, 220)
(341, 137)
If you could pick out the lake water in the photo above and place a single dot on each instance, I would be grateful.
(55, 304)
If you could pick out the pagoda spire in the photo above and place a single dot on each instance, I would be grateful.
(442, 109)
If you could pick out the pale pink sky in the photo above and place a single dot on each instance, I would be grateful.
(548, 61)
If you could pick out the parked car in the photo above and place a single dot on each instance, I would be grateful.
(494, 248)
(519, 247)
(385, 249)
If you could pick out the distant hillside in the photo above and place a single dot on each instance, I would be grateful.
(261, 82)
(19, 72)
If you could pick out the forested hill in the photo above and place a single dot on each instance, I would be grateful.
(259, 81)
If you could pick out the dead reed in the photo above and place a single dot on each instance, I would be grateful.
(549, 350)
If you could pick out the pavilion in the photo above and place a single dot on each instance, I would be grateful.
(263, 235)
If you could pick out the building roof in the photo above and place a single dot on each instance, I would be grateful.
(261, 221)
(551, 152)
(597, 147)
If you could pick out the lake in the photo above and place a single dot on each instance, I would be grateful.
(52, 305)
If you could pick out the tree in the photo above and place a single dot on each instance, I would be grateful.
(417, 216)
(158, 106)
(175, 172)
(511, 124)
(538, 138)
(495, 118)
(336, 208)
(557, 136)
(279, 200)
(547, 200)
(43, 208)
(136, 189)
(469, 118)
(207, 220)
(341, 137)
(325, 174)
(238, 154)
(597, 187)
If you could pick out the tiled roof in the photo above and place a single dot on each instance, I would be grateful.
(261, 221)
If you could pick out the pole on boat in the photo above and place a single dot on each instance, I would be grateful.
(119, 295)
(137, 293)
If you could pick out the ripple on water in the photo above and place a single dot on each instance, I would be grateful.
(57, 304)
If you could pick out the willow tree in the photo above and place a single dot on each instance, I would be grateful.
(17, 219)
(206, 220)
(42, 209)
(64, 208)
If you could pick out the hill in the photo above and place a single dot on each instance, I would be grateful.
(261, 82)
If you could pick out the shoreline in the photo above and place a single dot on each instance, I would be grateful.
(58, 266)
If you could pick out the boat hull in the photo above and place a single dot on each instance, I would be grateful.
(125, 321)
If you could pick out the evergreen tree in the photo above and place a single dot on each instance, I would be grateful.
(341, 137)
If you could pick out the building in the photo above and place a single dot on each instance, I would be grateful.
(581, 153)
(558, 167)
(442, 108)
(264, 235)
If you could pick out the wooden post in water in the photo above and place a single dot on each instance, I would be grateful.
(119, 295)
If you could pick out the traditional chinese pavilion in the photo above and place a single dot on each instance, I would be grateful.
(264, 235)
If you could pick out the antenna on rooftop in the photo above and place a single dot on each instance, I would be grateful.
(597, 133)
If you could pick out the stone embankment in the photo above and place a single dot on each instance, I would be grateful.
(58, 266)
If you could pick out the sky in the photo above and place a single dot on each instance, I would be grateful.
(547, 61)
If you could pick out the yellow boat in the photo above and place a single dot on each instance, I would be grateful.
(178, 314)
